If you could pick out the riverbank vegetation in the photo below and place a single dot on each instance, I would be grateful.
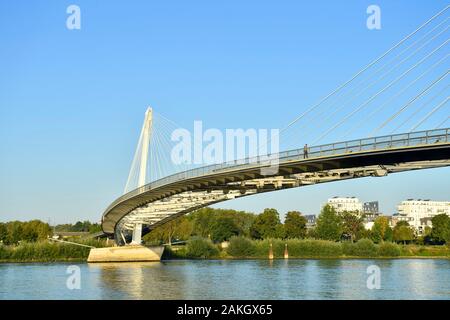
(16, 232)
(220, 225)
(245, 248)
(79, 226)
(230, 234)
(45, 251)
(29, 242)
(334, 235)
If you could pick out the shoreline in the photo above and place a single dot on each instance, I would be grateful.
(238, 249)
(68, 260)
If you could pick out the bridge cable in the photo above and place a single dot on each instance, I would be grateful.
(168, 145)
(162, 162)
(443, 103)
(368, 66)
(392, 98)
(395, 66)
(385, 74)
(374, 96)
(363, 70)
(165, 138)
(420, 109)
(373, 83)
(442, 123)
(157, 161)
(360, 107)
(409, 103)
(402, 61)
(135, 161)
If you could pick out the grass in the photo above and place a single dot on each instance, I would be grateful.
(425, 251)
(239, 248)
(47, 252)
(243, 248)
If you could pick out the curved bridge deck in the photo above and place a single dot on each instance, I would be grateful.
(163, 200)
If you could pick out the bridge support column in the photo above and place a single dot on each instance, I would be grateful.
(126, 254)
(137, 234)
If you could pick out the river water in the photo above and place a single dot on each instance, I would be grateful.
(252, 279)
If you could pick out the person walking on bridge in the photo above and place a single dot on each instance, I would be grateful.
(305, 151)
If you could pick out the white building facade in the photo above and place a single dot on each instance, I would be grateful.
(341, 204)
(418, 212)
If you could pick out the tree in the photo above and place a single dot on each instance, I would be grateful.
(3, 233)
(243, 221)
(223, 229)
(381, 230)
(85, 226)
(295, 225)
(441, 228)
(311, 233)
(29, 233)
(202, 221)
(14, 230)
(389, 235)
(267, 225)
(35, 230)
(180, 229)
(352, 224)
(329, 224)
(403, 232)
(79, 227)
(95, 227)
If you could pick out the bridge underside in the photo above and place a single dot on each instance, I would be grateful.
(164, 204)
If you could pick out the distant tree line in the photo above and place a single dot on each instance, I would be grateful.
(14, 232)
(79, 226)
(221, 225)
(31, 231)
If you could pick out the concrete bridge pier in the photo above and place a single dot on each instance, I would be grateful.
(133, 252)
(129, 253)
(137, 234)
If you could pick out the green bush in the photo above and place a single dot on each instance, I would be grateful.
(171, 253)
(241, 247)
(201, 248)
(4, 253)
(262, 247)
(424, 251)
(43, 251)
(348, 248)
(362, 248)
(313, 248)
(298, 248)
(389, 249)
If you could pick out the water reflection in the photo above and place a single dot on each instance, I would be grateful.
(140, 280)
(223, 280)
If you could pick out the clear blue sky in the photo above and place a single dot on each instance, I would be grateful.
(72, 102)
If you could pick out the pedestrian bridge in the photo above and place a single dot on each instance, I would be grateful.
(161, 201)
(407, 84)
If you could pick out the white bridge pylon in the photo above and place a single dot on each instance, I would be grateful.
(146, 135)
(141, 155)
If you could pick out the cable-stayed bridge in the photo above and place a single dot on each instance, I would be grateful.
(389, 117)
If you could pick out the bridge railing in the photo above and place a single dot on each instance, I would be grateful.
(347, 147)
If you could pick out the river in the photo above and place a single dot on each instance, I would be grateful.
(251, 279)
